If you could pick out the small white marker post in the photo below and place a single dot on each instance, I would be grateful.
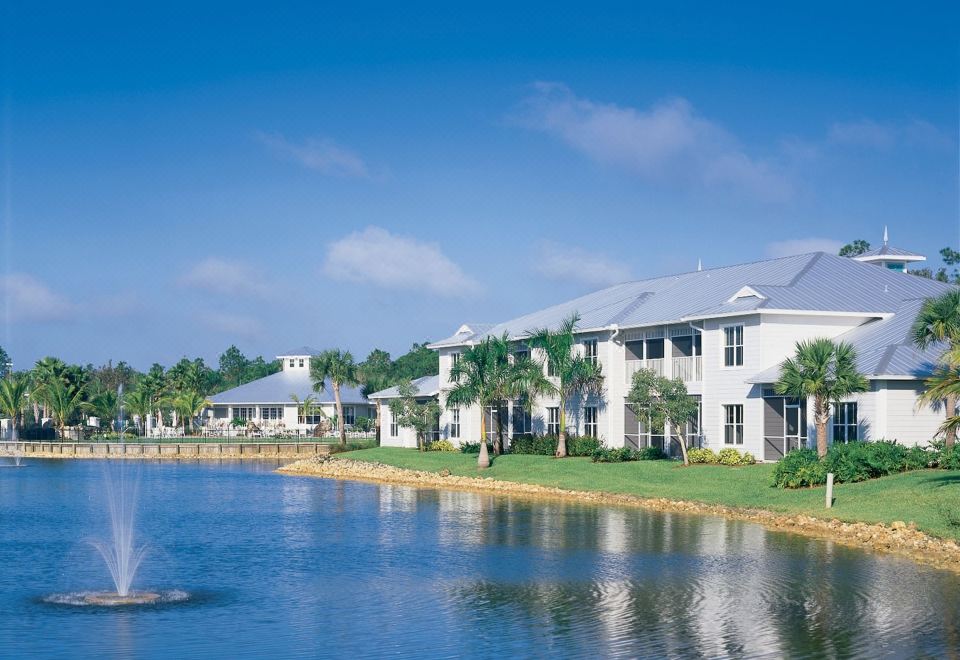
(829, 490)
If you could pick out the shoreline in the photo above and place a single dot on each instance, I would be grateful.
(898, 539)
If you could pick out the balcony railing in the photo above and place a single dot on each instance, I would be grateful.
(688, 369)
(633, 366)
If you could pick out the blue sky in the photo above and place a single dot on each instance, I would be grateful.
(178, 179)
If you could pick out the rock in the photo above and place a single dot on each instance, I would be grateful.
(898, 524)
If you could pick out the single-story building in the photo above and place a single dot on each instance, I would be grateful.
(271, 403)
(391, 433)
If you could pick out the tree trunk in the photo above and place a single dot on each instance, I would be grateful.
(562, 435)
(683, 445)
(950, 406)
(498, 441)
(483, 460)
(343, 428)
(13, 436)
(821, 415)
(36, 413)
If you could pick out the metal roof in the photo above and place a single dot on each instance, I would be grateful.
(888, 251)
(815, 282)
(302, 351)
(277, 388)
(426, 386)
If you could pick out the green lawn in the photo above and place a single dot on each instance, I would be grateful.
(923, 496)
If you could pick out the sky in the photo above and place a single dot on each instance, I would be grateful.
(177, 179)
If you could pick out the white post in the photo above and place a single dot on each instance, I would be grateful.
(829, 490)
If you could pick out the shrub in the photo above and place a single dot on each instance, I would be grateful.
(702, 456)
(546, 445)
(918, 458)
(859, 461)
(444, 445)
(950, 460)
(730, 456)
(470, 447)
(623, 454)
(799, 468)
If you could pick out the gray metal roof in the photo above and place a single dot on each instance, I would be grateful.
(888, 251)
(426, 386)
(300, 351)
(466, 332)
(809, 282)
(277, 388)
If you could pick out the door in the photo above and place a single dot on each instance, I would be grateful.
(794, 425)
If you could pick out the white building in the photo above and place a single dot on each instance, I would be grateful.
(391, 433)
(268, 402)
(724, 332)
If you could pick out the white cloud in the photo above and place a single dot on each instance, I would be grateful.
(870, 134)
(322, 155)
(375, 256)
(802, 246)
(863, 133)
(25, 298)
(666, 142)
(225, 277)
(568, 263)
(236, 325)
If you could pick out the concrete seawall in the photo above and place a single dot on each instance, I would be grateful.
(176, 450)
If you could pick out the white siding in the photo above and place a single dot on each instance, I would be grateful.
(907, 423)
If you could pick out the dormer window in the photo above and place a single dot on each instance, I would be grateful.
(301, 362)
(291, 363)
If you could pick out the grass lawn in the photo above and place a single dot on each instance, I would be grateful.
(922, 496)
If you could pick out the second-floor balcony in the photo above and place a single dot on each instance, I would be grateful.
(687, 369)
(633, 366)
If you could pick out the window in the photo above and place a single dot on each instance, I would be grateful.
(590, 421)
(521, 418)
(521, 355)
(291, 363)
(244, 413)
(845, 422)
(590, 350)
(394, 429)
(733, 424)
(271, 413)
(349, 415)
(550, 369)
(455, 423)
(454, 361)
(693, 427)
(553, 421)
(733, 346)
(301, 362)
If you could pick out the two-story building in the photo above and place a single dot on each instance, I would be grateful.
(724, 332)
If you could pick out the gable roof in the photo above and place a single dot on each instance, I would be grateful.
(814, 283)
(300, 351)
(426, 386)
(277, 388)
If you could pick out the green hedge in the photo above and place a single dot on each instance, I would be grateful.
(858, 461)
(624, 454)
(546, 445)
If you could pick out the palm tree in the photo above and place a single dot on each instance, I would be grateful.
(575, 374)
(939, 321)
(475, 376)
(64, 401)
(826, 371)
(944, 385)
(45, 372)
(339, 367)
(105, 404)
(306, 406)
(140, 404)
(13, 399)
(189, 404)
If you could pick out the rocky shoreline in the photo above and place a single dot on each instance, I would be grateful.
(899, 538)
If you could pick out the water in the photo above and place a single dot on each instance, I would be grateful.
(281, 566)
(120, 551)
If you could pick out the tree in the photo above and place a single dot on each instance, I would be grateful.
(139, 402)
(944, 384)
(45, 372)
(939, 321)
(339, 367)
(575, 374)
(64, 400)
(13, 399)
(418, 362)
(664, 401)
(826, 371)
(104, 404)
(5, 363)
(855, 248)
(233, 364)
(189, 404)
(421, 416)
(951, 258)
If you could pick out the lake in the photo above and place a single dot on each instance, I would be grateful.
(281, 566)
